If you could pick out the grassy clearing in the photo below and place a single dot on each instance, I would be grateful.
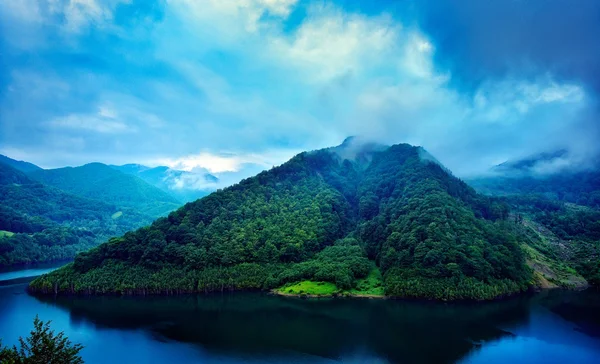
(372, 285)
(309, 288)
(117, 214)
(4, 233)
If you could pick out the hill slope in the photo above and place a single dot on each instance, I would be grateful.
(561, 205)
(327, 215)
(48, 224)
(19, 165)
(101, 182)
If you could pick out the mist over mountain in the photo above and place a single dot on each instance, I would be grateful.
(183, 185)
(555, 175)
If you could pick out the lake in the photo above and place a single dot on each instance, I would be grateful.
(549, 327)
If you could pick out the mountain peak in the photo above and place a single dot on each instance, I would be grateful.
(356, 148)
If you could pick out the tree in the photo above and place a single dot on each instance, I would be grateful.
(42, 346)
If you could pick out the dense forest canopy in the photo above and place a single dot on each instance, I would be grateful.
(327, 215)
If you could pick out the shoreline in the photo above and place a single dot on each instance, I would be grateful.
(342, 295)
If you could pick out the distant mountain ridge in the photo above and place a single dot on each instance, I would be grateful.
(531, 165)
(544, 174)
(183, 185)
(42, 223)
(101, 182)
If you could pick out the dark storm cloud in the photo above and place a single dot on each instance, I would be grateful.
(496, 38)
(479, 41)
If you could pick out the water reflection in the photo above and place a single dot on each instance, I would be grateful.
(333, 328)
(13, 275)
(252, 327)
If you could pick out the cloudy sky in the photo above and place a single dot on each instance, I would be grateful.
(222, 84)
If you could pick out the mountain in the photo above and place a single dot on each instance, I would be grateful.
(19, 165)
(183, 185)
(339, 215)
(101, 182)
(544, 175)
(41, 223)
(557, 203)
(529, 164)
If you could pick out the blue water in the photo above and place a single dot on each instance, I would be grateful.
(552, 327)
(7, 274)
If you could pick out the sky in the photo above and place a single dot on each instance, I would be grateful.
(238, 85)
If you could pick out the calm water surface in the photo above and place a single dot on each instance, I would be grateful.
(8, 275)
(552, 327)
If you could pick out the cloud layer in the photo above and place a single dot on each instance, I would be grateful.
(229, 85)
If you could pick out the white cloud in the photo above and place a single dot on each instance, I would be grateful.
(510, 100)
(79, 13)
(330, 42)
(25, 10)
(72, 15)
(95, 123)
(225, 162)
(232, 20)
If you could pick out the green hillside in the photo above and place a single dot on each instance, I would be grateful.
(48, 224)
(101, 182)
(19, 165)
(562, 209)
(324, 216)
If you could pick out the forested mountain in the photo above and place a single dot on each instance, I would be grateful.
(328, 215)
(539, 175)
(41, 223)
(19, 165)
(183, 185)
(101, 182)
(559, 202)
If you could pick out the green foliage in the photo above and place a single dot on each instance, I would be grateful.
(4, 233)
(49, 224)
(309, 288)
(371, 285)
(437, 231)
(42, 346)
(319, 217)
